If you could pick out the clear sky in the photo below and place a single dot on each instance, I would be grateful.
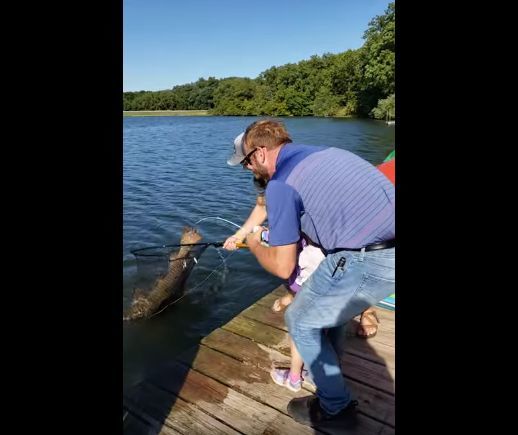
(173, 42)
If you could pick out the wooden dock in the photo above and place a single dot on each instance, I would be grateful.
(223, 384)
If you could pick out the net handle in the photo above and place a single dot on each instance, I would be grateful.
(206, 244)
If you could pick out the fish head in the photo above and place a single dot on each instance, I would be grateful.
(190, 235)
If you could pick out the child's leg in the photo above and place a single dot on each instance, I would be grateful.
(290, 378)
(296, 360)
(294, 377)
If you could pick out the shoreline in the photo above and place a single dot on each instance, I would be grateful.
(165, 113)
(136, 113)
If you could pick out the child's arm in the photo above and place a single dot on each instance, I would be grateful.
(257, 217)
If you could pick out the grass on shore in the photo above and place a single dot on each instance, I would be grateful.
(166, 113)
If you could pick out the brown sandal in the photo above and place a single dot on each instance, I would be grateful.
(371, 315)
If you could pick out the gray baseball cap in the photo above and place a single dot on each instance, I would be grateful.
(238, 155)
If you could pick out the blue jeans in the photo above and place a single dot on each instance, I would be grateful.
(327, 301)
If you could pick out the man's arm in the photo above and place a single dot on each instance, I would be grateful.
(278, 260)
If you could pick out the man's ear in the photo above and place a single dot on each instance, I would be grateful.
(263, 152)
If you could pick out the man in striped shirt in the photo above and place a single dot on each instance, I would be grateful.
(346, 206)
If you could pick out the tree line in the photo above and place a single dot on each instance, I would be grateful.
(352, 83)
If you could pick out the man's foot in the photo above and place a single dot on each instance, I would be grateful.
(281, 376)
(282, 303)
(307, 410)
(368, 326)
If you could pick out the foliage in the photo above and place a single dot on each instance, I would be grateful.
(386, 108)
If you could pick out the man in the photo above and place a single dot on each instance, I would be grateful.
(368, 322)
(345, 206)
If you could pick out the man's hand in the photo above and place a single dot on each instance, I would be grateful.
(254, 239)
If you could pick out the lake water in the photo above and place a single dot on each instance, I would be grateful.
(175, 174)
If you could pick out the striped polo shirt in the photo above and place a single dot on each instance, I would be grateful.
(335, 197)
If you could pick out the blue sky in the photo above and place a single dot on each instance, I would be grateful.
(173, 42)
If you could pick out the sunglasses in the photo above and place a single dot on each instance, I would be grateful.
(246, 161)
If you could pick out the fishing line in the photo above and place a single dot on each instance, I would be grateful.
(218, 218)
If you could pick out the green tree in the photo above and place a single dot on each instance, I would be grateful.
(325, 103)
(386, 108)
(378, 60)
(232, 96)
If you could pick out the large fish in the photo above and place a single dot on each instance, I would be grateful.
(170, 285)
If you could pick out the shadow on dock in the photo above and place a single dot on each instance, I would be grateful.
(223, 384)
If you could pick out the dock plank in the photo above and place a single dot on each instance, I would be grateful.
(157, 405)
(354, 367)
(223, 385)
(238, 350)
(251, 380)
(379, 349)
(133, 425)
(262, 312)
(237, 410)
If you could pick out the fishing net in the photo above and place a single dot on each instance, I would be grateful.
(200, 279)
(155, 261)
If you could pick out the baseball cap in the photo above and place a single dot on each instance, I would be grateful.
(238, 155)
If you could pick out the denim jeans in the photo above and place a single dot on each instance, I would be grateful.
(330, 301)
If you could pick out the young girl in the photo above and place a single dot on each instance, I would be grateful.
(309, 257)
(308, 260)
